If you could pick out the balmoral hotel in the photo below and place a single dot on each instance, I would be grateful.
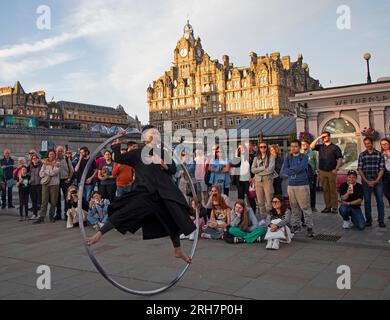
(198, 92)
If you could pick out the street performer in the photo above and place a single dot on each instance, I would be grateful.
(156, 204)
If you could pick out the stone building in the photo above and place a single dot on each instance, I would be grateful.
(345, 112)
(19, 109)
(199, 92)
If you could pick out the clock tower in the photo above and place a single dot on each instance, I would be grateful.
(188, 53)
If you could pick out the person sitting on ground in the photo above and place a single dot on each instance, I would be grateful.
(351, 194)
(215, 190)
(98, 211)
(278, 220)
(202, 223)
(244, 225)
(72, 214)
(219, 220)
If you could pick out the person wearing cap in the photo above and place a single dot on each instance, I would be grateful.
(351, 194)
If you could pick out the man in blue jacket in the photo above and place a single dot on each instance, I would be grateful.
(296, 168)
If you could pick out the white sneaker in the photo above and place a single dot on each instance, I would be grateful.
(275, 245)
(346, 224)
(351, 225)
(269, 244)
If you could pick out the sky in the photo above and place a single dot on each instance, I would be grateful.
(107, 52)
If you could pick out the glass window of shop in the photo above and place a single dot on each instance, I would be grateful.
(344, 135)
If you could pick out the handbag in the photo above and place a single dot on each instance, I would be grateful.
(252, 191)
(207, 177)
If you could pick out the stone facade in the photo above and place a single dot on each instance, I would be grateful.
(198, 92)
(21, 109)
(345, 112)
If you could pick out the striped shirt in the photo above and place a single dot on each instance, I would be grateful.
(371, 164)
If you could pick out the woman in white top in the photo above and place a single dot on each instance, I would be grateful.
(278, 221)
(242, 169)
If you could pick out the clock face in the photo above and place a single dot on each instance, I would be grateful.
(183, 52)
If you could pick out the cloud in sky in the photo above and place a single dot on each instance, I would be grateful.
(108, 51)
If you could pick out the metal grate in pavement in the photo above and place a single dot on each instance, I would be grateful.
(327, 237)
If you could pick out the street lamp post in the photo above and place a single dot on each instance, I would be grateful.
(367, 57)
(305, 68)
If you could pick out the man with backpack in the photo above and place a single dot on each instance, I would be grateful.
(296, 168)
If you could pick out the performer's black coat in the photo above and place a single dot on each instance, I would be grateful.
(156, 204)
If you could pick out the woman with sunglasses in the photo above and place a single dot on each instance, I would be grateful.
(385, 147)
(243, 179)
(263, 167)
(219, 220)
(215, 191)
(220, 171)
(278, 220)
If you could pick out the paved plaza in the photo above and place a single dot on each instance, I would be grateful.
(306, 269)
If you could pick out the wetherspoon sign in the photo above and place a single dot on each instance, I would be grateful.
(363, 100)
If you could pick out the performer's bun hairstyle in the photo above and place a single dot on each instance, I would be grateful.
(148, 127)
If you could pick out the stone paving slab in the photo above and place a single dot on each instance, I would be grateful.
(306, 269)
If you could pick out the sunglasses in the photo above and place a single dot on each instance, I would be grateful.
(263, 147)
(275, 202)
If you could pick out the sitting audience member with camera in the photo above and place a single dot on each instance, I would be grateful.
(98, 211)
(72, 214)
(351, 193)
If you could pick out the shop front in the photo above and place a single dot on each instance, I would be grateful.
(349, 113)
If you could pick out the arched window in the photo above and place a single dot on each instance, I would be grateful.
(343, 134)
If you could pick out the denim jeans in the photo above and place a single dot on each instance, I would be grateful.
(120, 191)
(386, 185)
(378, 192)
(94, 219)
(355, 214)
(7, 191)
(87, 192)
